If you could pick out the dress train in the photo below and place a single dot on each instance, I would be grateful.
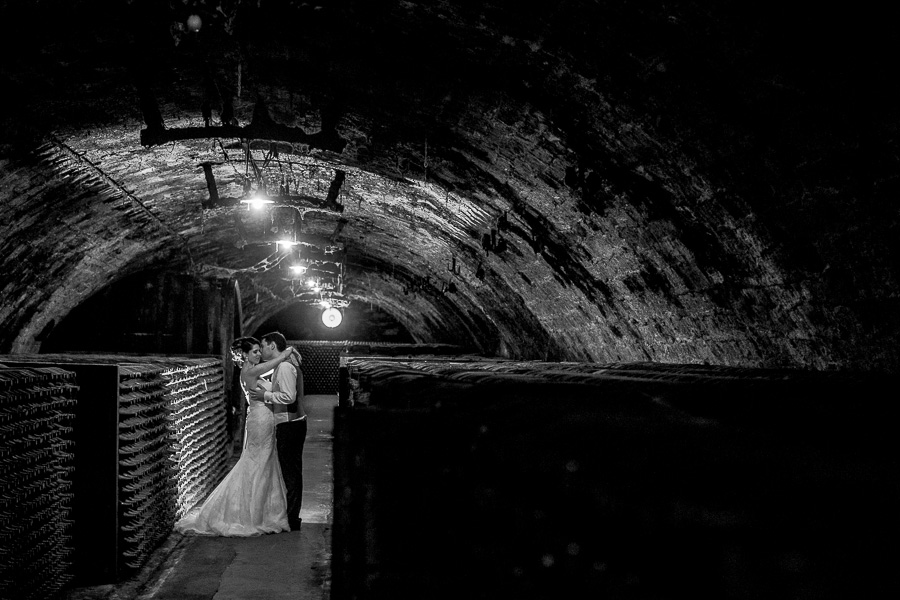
(251, 500)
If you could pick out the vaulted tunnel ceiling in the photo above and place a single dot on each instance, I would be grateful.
(598, 180)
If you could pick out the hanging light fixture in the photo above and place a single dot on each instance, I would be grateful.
(257, 202)
(332, 317)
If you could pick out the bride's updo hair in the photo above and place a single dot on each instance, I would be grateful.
(240, 345)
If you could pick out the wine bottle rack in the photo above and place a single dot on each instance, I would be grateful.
(583, 480)
(198, 422)
(36, 474)
(151, 441)
(320, 366)
(147, 474)
(321, 359)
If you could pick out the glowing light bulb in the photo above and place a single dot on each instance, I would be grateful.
(298, 269)
(332, 317)
(257, 202)
(194, 23)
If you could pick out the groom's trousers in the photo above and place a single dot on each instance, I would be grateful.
(289, 440)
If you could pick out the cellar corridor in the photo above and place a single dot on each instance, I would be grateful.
(442, 477)
(604, 295)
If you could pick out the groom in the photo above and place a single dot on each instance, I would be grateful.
(286, 398)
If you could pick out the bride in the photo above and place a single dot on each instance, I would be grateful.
(251, 500)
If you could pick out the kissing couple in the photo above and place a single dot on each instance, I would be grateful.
(262, 493)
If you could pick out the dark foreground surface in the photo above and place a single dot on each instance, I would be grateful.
(456, 482)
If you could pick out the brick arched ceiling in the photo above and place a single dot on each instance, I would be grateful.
(577, 180)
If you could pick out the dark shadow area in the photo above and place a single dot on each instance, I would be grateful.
(150, 312)
(649, 483)
(114, 319)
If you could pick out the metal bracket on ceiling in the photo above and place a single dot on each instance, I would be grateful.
(259, 129)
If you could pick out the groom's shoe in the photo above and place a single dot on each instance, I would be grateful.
(294, 524)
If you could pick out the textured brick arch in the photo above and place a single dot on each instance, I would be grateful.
(70, 235)
(607, 181)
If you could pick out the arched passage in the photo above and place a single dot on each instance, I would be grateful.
(361, 322)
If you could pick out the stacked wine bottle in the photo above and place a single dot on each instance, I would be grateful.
(36, 474)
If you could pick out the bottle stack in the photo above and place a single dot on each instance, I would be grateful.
(36, 475)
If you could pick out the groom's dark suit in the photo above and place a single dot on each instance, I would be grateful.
(286, 397)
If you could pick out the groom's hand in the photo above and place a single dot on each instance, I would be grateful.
(296, 357)
(258, 394)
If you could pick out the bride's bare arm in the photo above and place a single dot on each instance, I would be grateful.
(262, 367)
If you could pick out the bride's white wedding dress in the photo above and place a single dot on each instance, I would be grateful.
(251, 500)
